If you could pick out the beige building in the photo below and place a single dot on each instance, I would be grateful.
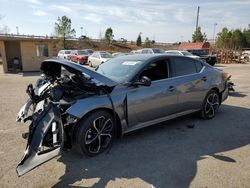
(24, 53)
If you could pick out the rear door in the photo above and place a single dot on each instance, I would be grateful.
(191, 83)
(148, 103)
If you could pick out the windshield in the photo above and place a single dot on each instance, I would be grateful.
(158, 51)
(106, 55)
(186, 53)
(81, 52)
(67, 52)
(118, 70)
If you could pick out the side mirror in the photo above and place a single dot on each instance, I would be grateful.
(144, 81)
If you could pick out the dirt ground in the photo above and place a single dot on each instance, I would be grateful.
(214, 153)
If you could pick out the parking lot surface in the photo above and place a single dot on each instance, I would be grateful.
(185, 152)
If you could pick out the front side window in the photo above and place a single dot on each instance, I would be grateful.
(42, 50)
(184, 66)
(156, 71)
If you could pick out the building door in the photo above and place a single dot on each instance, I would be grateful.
(13, 55)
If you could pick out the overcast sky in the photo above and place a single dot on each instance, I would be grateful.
(161, 20)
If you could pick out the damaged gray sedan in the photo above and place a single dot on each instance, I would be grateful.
(74, 107)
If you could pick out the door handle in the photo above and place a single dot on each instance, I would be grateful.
(204, 78)
(171, 88)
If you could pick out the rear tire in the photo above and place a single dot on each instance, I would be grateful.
(95, 133)
(210, 105)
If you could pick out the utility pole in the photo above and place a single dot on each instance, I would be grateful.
(215, 24)
(17, 30)
(81, 30)
(197, 20)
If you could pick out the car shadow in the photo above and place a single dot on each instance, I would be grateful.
(163, 155)
(35, 73)
(237, 94)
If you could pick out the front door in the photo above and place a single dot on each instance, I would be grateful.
(147, 103)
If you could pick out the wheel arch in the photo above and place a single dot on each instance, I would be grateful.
(117, 119)
(218, 91)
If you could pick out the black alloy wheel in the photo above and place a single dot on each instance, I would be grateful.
(95, 133)
(210, 105)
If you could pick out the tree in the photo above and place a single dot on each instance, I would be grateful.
(63, 29)
(109, 35)
(147, 42)
(238, 40)
(4, 29)
(223, 39)
(138, 41)
(198, 36)
(235, 39)
(246, 34)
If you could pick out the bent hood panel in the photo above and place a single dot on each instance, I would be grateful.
(52, 67)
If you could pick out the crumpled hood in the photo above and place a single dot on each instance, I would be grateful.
(53, 67)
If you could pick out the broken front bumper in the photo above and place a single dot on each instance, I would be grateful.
(45, 138)
(225, 93)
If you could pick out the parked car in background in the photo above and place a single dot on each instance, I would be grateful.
(152, 51)
(136, 51)
(98, 58)
(245, 55)
(90, 51)
(182, 53)
(86, 109)
(117, 54)
(204, 54)
(64, 54)
(79, 56)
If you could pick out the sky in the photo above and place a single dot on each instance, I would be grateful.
(160, 20)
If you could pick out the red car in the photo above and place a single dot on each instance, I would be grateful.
(79, 56)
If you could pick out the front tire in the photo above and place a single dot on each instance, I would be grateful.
(95, 133)
(210, 105)
(90, 64)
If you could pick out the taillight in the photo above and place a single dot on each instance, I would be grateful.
(225, 76)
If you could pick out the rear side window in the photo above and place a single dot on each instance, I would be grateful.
(184, 66)
(198, 66)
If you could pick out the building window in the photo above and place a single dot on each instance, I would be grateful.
(42, 50)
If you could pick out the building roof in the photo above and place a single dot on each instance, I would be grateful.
(194, 45)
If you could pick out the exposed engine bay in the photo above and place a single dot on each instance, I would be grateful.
(50, 126)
